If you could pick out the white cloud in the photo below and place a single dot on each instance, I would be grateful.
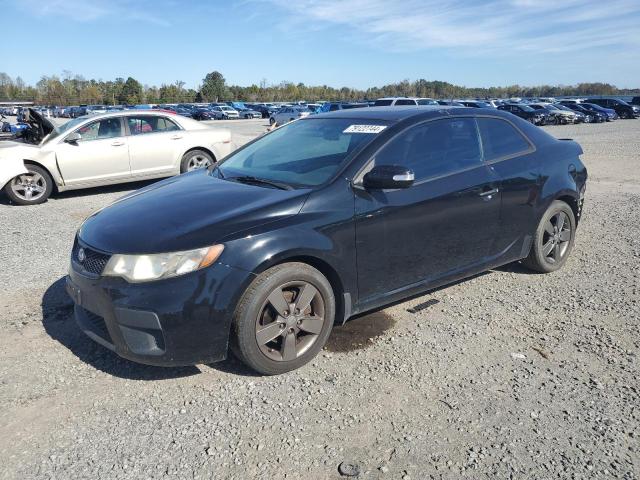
(493, 26)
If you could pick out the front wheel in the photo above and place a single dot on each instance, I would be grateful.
(553, 239)
(194, 160)
(30, 188)
(272, 121)
(283, 319)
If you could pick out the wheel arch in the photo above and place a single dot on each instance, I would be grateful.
(573, 202)
(54, 178)
(342, 298)
(204, 149)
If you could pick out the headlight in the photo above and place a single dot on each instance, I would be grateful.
(144, 268)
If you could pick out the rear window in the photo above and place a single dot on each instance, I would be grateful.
(382, 103)
(405, 102)
(500, 139)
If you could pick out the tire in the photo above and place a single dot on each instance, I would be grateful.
(263, 336)
(272, 121)
(552, 246)
(30, 188)
(195, 159)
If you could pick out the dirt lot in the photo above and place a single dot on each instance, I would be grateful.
(509, 375)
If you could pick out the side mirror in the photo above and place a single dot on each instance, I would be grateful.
(74, 137)
(383, 177)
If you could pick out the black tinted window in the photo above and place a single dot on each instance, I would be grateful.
(500, 138)
(382, 103)
(433, 149)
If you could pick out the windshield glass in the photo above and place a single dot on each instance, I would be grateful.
(302, 153)
(63, 129)
(526, 108)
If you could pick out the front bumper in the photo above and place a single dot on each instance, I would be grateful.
(179, 321)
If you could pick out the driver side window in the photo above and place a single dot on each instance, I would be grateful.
(107, 128)
(434, 149)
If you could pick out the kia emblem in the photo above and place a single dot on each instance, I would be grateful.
(81, 255)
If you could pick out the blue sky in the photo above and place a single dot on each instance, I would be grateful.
(356, 43)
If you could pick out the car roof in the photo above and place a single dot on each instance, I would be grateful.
(397, 114)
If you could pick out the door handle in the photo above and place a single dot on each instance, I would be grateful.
(489, 193)
(176, 137)
(117, 144)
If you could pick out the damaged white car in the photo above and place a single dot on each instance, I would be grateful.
(105, 149)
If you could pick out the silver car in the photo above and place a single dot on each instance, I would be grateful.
(288, 114)
(104, 149)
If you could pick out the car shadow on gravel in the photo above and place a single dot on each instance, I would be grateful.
(58, 322)
(122, 188)
(516, 267)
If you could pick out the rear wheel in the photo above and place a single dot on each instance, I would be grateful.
(194, 160)
(272, 121)
(283, 319)
(30, 188)
(553, 239)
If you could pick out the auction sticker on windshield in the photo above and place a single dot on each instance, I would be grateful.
(364, 129)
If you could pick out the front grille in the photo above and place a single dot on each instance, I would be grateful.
(94, 323)
(92, 261)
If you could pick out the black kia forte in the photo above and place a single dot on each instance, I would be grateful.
(317, 221)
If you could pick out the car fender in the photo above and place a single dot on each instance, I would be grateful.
(10, 168)
(567, 174)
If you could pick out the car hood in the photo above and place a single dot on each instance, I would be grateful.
(19, 150)
(186, 212)
(37, 118)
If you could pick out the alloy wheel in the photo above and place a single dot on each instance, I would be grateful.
(290, 321)
(198, 161)
(556, 237)
(29, 186)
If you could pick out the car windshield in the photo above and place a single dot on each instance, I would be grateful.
(226, 108)
(552, 107)
(62, 129)
(526, 108)
(303, 153)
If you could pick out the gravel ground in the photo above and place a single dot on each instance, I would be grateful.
(506, 375)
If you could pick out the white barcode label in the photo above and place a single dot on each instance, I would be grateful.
(364, 129)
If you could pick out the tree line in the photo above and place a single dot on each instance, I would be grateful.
(71, 89)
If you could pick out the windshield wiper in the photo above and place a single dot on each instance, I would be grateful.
(215, 167)
(249, 179)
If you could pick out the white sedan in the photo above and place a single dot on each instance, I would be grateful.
(105, 149)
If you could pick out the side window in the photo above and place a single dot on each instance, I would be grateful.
(500, 139)
(107, 128)
(150, 124)
(434, 149)
(333, 107)
(166, 125)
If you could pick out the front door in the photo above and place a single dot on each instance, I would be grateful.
(100, 156)
(444, 223)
